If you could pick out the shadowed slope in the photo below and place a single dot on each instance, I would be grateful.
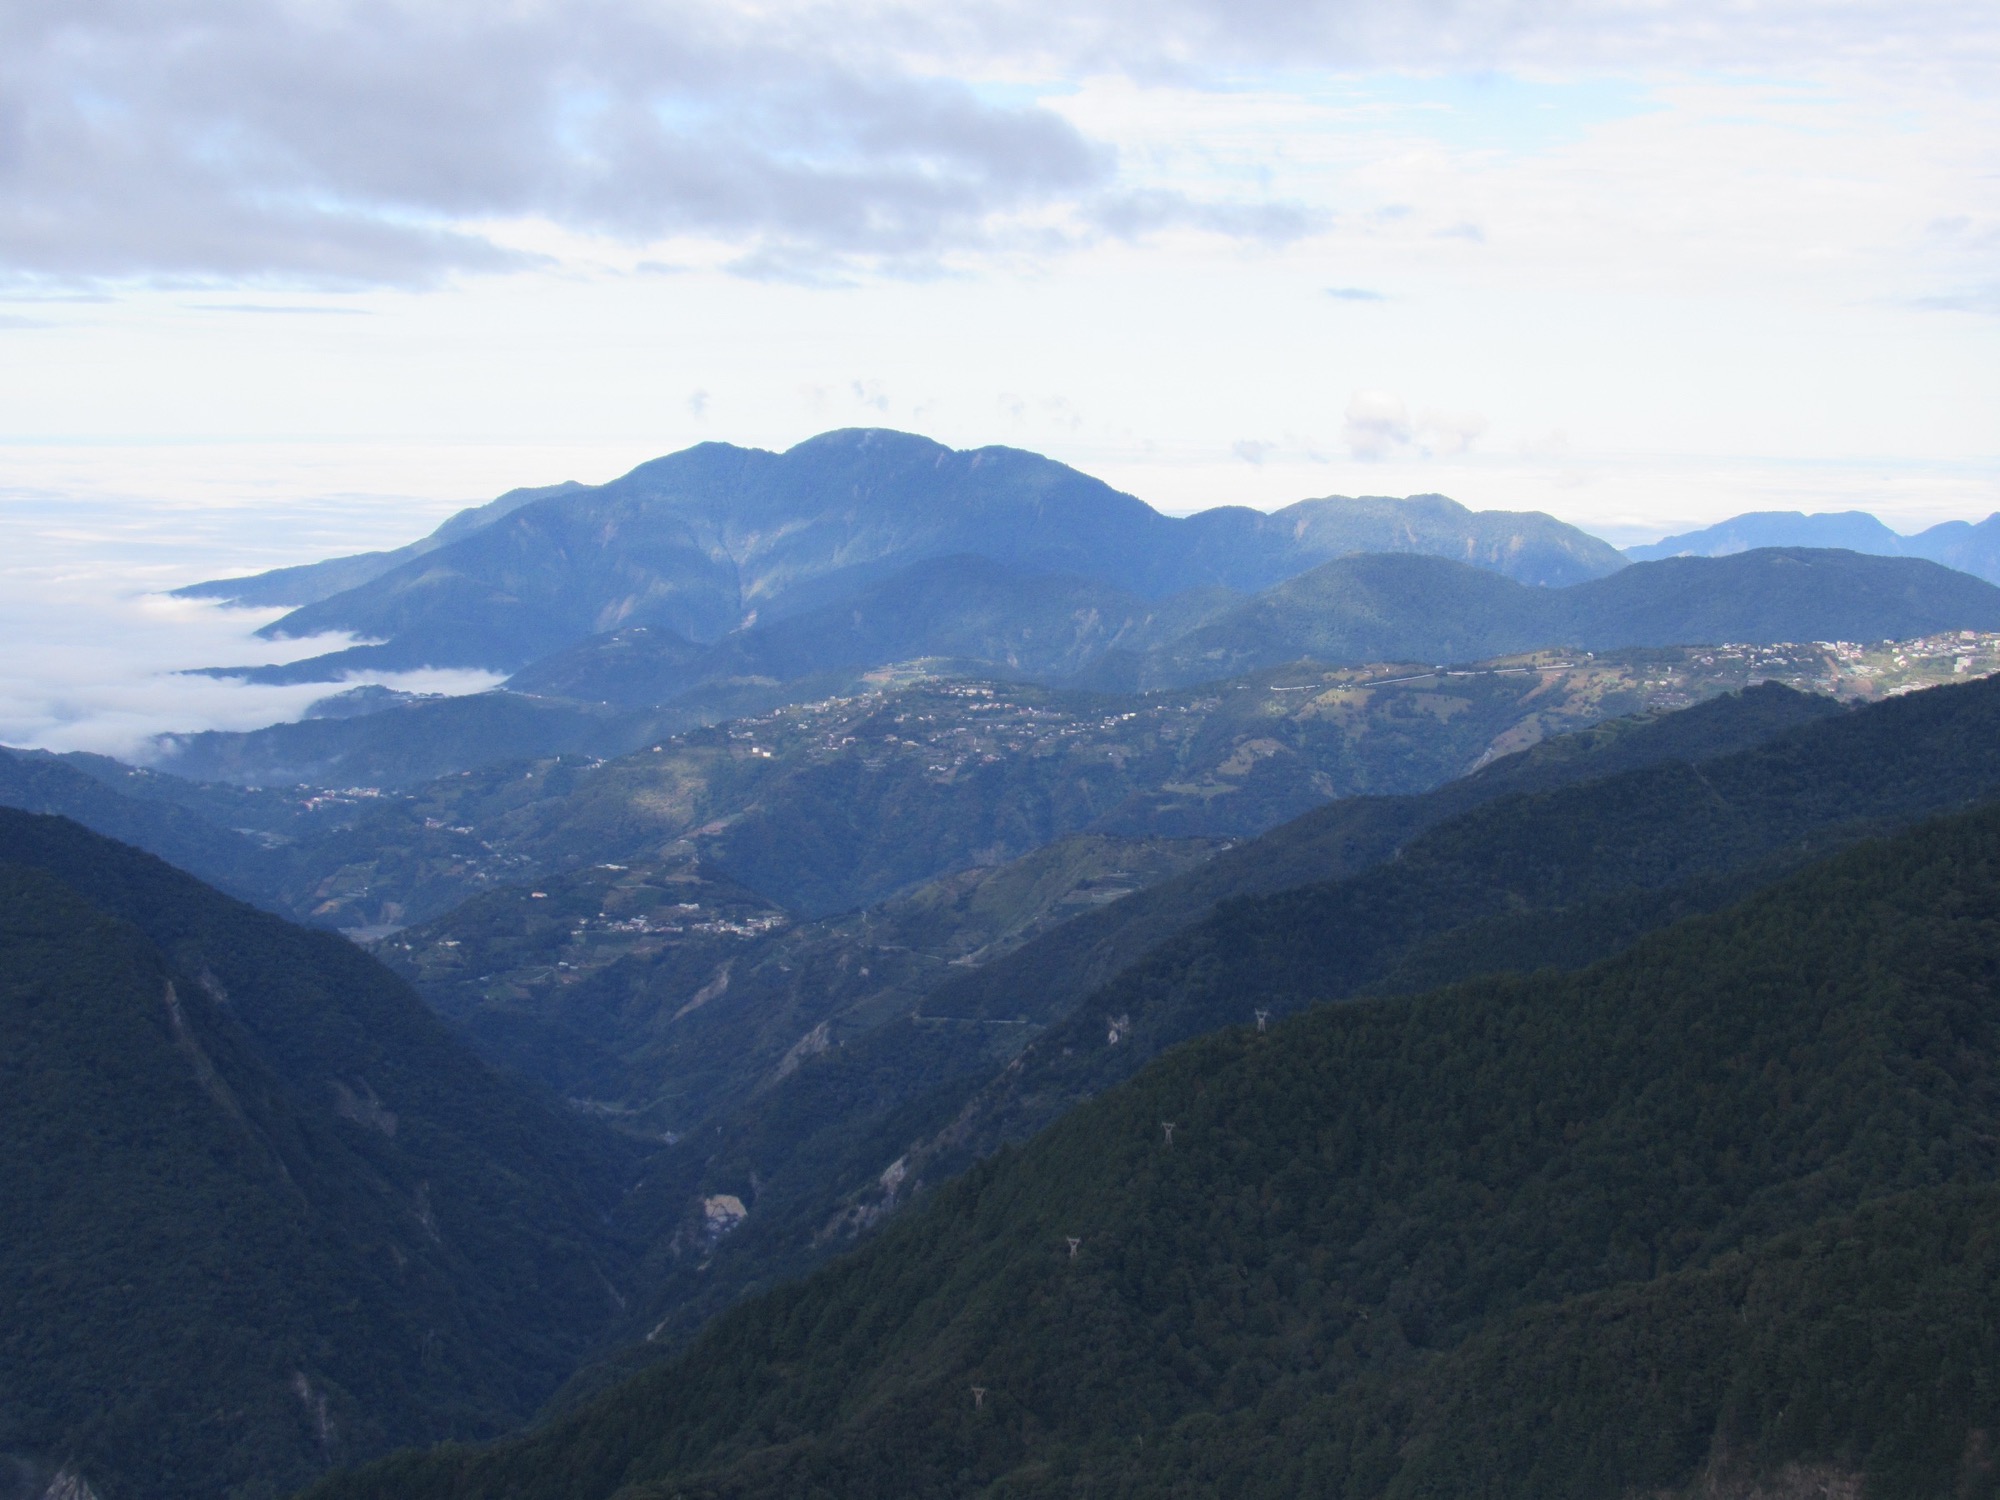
(265, 1212)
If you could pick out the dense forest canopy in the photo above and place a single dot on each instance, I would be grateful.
(265, 1213)
(1356, 1212)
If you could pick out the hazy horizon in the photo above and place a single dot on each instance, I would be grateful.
(87, 579)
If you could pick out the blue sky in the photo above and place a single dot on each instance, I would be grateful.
(281, 276)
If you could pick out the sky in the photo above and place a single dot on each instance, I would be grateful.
(284, 278)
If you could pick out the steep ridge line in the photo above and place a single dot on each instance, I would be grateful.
(704, 539)
(265, 1213)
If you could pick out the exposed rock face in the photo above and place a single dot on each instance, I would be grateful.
(68, 1485)
(1792, 1482)
(722, 1213)
(811, 1044)
(363, 1108)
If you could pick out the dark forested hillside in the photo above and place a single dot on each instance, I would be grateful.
(1724, 1200)
(1352, 834)
(1553, 877)
(264, 1213)
(1565, 868)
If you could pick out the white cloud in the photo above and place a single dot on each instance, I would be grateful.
(1379, 425)
(368, 142)
(350, 143)
(1447, 434)
(107, 670)
(1738, 241)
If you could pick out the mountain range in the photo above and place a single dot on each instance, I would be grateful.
(1717, 1205)
(1385, 607)
(1570, 851)
(1372, 607)
(1965, 545)
(890, 782)
(933, 978)
(708, 540)
(719, 582)
(609, 693)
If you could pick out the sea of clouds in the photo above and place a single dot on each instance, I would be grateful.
(94, 650)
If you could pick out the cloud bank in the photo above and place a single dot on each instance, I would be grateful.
(369, 142)
(106, 671)
(96, 651)
(396, 142)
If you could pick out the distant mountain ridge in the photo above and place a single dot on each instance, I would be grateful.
(308, 583)
(1424, 609)
(715, 537)
(967, 616)
(1967, 546)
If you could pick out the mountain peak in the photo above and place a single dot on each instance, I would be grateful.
(884, 439)
(1967, 546)
(695, 540)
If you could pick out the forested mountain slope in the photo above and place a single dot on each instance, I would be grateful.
(1352, 834)
(1346, 1256)
(1556, 876)
(850, 799)
(662, 996)
(665, 991)
(264, 1213)
(1553, 877)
